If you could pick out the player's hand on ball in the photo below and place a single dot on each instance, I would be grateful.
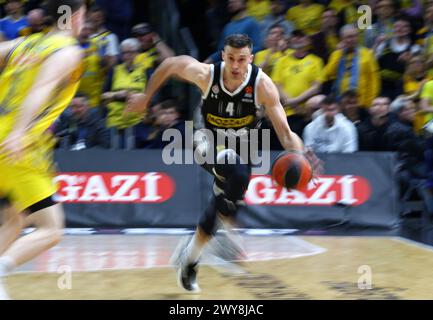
(136, 103)
(316, 163)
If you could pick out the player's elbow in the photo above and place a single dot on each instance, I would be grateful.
(178, 61)
(174, 65)
(167, 63)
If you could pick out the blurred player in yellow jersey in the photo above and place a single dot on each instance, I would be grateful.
(40, 76)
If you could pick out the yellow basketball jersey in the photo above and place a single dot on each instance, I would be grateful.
(18, 76)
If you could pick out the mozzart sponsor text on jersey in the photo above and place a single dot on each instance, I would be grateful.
(158, 187)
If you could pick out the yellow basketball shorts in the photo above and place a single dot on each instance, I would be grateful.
(29, 180)
(24, 186)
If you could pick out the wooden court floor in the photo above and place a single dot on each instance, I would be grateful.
(278, 267)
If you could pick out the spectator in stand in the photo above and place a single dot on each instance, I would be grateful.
(372, 131)
(92, 80)
(350, 107)
(299, 121)
(346, 10)
(153, 49)
(326, 40)
(424, 35)
(240, 23)
(409, 147)
(382, 28)
(15, 20)
(306, 16)
(81, 128)
(414, 79)
(276, 17)
(330, 131)
(167, 117)
(36, 23)
(298, 75)
(106, 40)
(392, 56)
(148, 129)
(338, 5)
(274, 43)
(415, 75)
(153, 52)
(126, 78)
(258, 9)
(424, 38)
(426, 104)
(353, 67)
(313, 105)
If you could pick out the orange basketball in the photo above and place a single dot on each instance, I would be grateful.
(292, 170)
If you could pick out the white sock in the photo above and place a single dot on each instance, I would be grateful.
(6, 266)
(194, 250)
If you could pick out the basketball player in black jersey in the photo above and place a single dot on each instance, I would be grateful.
(232, 90)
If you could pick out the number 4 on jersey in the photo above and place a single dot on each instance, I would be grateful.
(230, 109)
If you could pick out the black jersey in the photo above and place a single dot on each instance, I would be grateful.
(236, 110)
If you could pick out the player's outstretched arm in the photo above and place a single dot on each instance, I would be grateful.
(269, 98)
(184, 68)
(56, 69)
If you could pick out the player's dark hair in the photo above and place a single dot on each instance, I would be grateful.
(238, 41)
(96, 8)
(54, 11)
(170, 103)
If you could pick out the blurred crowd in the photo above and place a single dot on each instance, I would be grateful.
(119, 57)
(350, 80)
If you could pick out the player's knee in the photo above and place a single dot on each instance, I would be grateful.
(233, 172)
(235, 185)
(229, 163)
